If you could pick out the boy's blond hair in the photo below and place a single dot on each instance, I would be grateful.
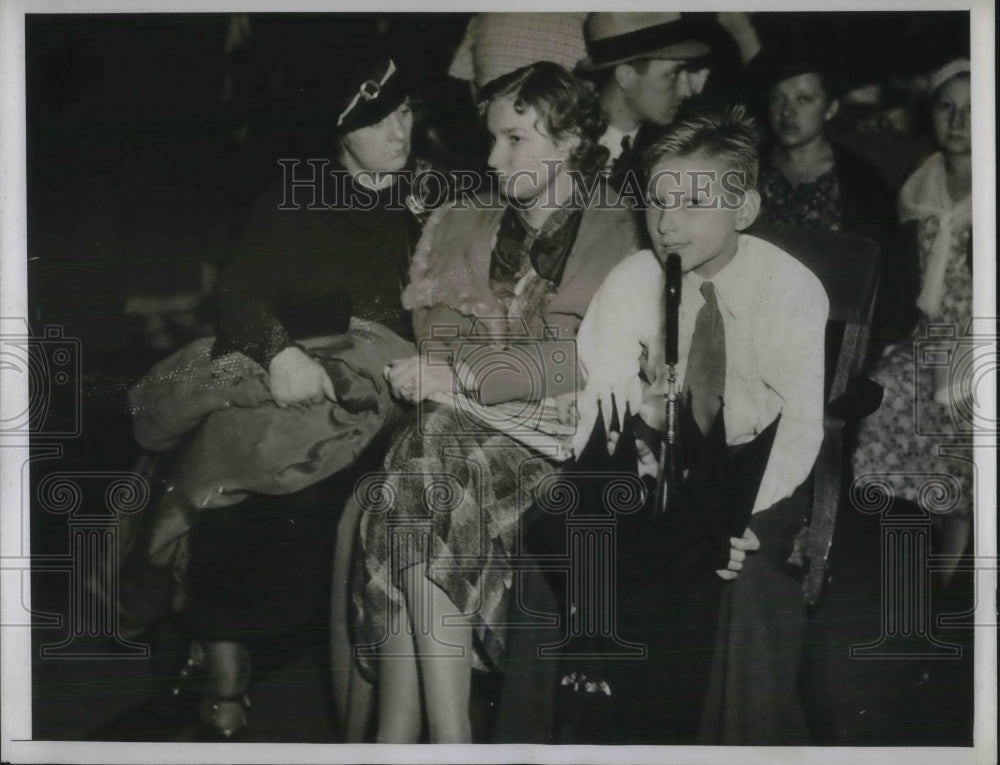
(730, 134)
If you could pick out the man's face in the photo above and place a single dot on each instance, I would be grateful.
(525, 158)
(655, 95)
(695, 210)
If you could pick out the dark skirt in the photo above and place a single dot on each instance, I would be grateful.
(753, 696)
(262, 568)
(722, 662)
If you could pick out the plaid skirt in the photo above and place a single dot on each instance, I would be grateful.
(450, 497)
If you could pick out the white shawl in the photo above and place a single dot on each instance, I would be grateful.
(925, 195)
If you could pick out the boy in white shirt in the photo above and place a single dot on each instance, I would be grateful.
(769, 315)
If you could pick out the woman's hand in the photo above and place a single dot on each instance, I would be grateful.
(296, 378)
(738, 549)
(413, 380)
(566, 411)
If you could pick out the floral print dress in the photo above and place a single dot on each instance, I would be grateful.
(916, 447)
(813, 204)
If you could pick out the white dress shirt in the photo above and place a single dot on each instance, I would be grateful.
(774, 312)
(612, 141)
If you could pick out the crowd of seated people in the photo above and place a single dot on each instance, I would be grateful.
(380, 289)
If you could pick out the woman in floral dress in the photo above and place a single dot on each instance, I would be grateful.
(918, 444)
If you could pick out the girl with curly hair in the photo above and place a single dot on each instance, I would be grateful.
(498, 288)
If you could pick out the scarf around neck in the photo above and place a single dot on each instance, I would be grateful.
(925, 196)
(547, 248)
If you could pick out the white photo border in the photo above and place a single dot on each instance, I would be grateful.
(15, 705)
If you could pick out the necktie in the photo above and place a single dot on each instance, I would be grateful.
(705, 378)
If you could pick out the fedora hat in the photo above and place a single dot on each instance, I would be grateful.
(615, 38)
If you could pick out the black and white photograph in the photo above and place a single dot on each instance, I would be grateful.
(575, 384)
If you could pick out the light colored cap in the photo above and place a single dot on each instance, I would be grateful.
(496, 44)
(949, 70)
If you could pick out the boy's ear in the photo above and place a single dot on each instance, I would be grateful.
(749, 210)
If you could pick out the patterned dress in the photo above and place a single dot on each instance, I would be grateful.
(914, 446)
(813, 204)
(453, 491)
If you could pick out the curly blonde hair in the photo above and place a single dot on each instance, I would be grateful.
(566, 105)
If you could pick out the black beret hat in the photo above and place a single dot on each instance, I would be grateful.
(375, 91)
(777, 65)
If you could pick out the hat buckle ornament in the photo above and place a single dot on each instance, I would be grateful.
(369, 91)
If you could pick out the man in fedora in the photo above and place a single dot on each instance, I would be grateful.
(645, 65)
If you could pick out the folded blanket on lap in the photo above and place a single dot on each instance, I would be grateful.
(222, 438)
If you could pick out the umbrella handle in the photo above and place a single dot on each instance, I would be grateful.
(666, 481)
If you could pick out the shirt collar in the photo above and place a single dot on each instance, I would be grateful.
(730, 283)
(612, 139)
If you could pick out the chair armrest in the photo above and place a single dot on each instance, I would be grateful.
(815, 544)
(862, 397)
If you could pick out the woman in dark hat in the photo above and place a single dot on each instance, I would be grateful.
(808, 180)
(341, 218)
(312, 256)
